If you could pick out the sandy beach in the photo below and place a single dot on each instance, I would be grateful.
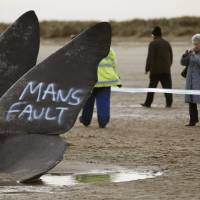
(135, 138)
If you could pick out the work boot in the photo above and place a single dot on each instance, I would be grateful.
(81, 121)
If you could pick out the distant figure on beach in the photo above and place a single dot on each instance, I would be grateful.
(158, 64)
(191, 59)
(107, 77)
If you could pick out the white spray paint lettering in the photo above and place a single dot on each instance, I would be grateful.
(38, 92)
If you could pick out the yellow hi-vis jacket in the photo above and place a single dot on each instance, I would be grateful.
(107, 73)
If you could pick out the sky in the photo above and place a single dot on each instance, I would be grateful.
(101, 10)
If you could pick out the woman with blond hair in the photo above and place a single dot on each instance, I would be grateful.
(191, 59)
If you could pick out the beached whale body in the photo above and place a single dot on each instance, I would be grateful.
(45, 102)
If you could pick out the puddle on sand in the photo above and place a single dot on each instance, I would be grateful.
(96, 177)
(51, 183)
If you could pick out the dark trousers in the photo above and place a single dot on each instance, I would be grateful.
(166, 82)
(102, 97)
(193, 112)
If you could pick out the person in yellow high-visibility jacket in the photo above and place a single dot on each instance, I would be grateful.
(107, 77)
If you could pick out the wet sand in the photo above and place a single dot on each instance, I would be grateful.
(135, 138)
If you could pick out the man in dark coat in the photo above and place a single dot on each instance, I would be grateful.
(159, 61)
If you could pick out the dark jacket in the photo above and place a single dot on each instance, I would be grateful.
(160, 57)
(192, 61)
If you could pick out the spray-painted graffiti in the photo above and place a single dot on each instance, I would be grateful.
(29, 108)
